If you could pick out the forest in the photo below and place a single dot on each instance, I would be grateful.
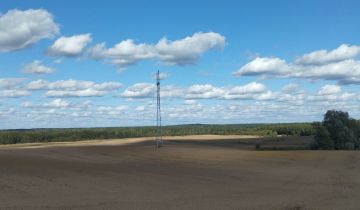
(75, 134)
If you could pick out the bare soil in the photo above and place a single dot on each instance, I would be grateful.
(206, 172)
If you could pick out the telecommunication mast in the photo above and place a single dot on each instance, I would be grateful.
(158, 138)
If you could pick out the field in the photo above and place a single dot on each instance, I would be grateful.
(192, 172)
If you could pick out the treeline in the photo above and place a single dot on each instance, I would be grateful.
(337, 131)
(74, 134)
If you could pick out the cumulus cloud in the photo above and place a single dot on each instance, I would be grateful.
(124, 53)
(329, 90)
(73, 88)
(36, 67)
(37, 85)
(335, 65)
(320, 57)
(179, 52)
(253, 91)
(12, 88)
(252, 87)
(70, 46)
(332, 93)
(140, 108)
(248, 91)
(7, 112)
(266, 65)
(112, 110)
(190, 102)
(70, 84)
(251, 102)
(290, 88)
(344, 72)
(199, 91)
(58, 103)
(22, 28)
(75, 93)
(10, 82)
(139, 90)
(206, 91)
(13, 93)
(188, 50)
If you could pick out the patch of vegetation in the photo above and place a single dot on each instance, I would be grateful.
(73, 134)
(337, 131)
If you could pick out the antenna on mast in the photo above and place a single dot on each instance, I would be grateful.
(158, 138)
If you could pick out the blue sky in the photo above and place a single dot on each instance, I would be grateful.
(91, 63)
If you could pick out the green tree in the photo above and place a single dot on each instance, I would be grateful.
(337, 131)
(322, 138)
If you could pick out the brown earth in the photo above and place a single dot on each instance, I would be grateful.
(207, 172)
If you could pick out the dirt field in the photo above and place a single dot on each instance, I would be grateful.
(187, 173)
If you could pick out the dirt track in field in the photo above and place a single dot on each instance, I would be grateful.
(207, 172)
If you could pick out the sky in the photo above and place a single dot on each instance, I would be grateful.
(92, 63)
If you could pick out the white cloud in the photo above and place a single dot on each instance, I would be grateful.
(268, 95)
(190, 102)
(329, 90)
(320, 57)
(139, 90)
(20, 29)
(58, 103)
(188, 50)
(292, 97)
(178, 52)
(343, 71)
(252, 87)
(290, 88)
(199, 91)
(140, 108)
(332, 93)
(7, 112)
(75, 93)
(332, 97)
(265, 65)
(107, 86)
(70, 84)
(171, 91)
(37, 85)
(124, 53)
(206, 91)
(13, 93)
(36, 67)
(73, 88)
(75, 85)
(8, 83)
(253, 103)
(81, 114)
(110, 110)
(70, 46)
(248, 91)
(12, 88)
(26, 104)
